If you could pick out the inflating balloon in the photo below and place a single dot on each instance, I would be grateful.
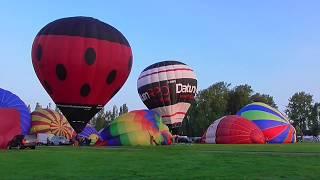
(168, 88)
(82, 63)
(8, 100)
(141, 127)
(233, 130)
(91, 133)
(9, 126)
(15, 117)
(274, 125)
(52, 122)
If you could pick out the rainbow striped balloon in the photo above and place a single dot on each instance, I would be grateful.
(274, 125)
(52, 122)
(141, 127)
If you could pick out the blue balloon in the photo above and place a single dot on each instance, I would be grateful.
(8, 100)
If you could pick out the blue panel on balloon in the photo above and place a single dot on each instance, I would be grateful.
(265, 124)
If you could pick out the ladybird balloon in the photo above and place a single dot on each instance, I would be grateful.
(82, 63)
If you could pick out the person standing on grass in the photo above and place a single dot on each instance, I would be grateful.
(152, 140)
(75, 141)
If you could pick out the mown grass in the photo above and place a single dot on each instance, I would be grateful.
(294, 161)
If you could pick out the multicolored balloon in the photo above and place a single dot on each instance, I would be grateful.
(91, 133)
(168, 88)
(15, 117)
(233, 130)
(82, 63)
(8, 100)
(274, 125)
(141, 127)
(52, 122)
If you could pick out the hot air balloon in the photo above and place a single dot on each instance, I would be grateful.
(15, 117)
(51, 122)
(141, 127)
(82, 63)
(91, 133)
(168, 88)
(233, 130)
(274, 125)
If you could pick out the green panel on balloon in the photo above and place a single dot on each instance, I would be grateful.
(260, 115)
(141, 127)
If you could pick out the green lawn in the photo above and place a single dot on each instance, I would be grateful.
(294, 161)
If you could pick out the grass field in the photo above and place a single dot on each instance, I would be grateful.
(294, 161)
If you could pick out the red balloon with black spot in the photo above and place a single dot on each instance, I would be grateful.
(82, 63)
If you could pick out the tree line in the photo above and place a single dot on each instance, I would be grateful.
(220, 99)
(104, 117)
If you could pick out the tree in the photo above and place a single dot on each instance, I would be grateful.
(120, 110)
(300, 109)
(49, 106)
(93, 121)
(109, 117)
(100, 120)
(209, 105)
(38, 106)
(104, 117)
(217, 101)
(239, 97)
(57, 109)
(115, 112)
(123, 109)
(264, 98)
(314, 122)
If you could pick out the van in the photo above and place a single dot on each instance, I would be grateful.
(42, 139)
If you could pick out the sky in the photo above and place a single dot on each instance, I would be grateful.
(274, 46)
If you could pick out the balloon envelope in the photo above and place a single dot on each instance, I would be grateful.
(168, 88)
(141, 127)
(233, 130)
(274, 125)
(91, 133)
(52, 122)
(8, 100)
(82, 63)
(9, 126)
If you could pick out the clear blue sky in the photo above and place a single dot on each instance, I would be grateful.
(274, 46)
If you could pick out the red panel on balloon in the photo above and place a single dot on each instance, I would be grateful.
(238, 130)
(9, 126)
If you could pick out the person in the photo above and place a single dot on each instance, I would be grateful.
(176, 139)
(48, 141)
(75, 141)
(152, 140)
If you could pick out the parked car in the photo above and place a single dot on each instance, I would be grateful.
(23, 141)
(59, 140)
(196, 139)
(42, 139)
(182, 139)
